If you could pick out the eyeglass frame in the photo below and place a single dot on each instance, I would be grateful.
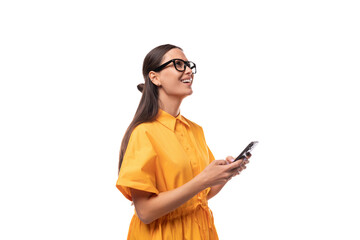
(187, 64)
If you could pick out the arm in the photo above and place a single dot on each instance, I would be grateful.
(214, 190)
(150, 207)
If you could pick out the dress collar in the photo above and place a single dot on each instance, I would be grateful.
(169, 121)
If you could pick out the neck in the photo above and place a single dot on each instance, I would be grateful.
(170, 104)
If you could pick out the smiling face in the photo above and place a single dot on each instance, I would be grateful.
(171, 82)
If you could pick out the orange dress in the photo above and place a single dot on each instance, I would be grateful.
(163, 155)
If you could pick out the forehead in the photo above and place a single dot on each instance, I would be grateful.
(174, 53)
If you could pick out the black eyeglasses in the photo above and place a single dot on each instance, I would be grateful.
(179, 65)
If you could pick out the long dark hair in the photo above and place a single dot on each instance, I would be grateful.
(149, 106)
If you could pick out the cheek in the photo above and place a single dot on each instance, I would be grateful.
(169, 80)
(171, 86)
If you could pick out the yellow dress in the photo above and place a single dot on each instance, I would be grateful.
(163, 155)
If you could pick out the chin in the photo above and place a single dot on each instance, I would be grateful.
(184, 95)
(188, 93)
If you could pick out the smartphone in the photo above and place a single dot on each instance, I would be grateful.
(247, 150)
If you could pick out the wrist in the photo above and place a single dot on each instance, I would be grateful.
(200, 182)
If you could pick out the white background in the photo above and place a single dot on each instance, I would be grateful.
(281, 72)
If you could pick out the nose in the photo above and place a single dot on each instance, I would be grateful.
(188, 71)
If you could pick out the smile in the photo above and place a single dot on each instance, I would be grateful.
(187, 80)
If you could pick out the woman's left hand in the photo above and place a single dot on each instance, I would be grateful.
(216, 189)
(245, 161)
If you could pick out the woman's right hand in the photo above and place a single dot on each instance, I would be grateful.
(221, 171)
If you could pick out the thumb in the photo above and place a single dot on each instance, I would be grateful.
(229, 159)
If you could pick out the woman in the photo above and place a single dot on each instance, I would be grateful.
(165, 166)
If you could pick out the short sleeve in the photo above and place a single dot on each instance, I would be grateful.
(138, 166)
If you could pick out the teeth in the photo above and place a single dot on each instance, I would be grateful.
(186, 80)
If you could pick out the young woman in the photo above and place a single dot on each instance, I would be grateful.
(165, 166)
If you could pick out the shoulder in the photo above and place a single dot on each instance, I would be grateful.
(145, 129)
(142, 128)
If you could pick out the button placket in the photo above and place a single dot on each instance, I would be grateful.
(186, 141)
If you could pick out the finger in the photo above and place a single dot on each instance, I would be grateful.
(243, 162)
(246, 161)
(236, 171)
(235, 165)
(248, 155)
(240, 169)
(229, 159)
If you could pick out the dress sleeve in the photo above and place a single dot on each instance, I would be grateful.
(138, 166)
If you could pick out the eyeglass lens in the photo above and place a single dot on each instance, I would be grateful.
(180, 66)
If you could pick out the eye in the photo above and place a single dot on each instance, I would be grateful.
(179, 64)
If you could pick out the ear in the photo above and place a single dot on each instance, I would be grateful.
(154, 77)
